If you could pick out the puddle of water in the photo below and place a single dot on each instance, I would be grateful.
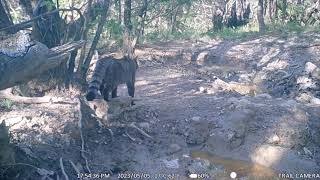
(242, 168)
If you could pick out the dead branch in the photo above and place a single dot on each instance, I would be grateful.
(27, 24)
(130, 137)
(62, 169)
(36, 100)
(37, 60)
(75, 167)
(102, 22)
(82, 151)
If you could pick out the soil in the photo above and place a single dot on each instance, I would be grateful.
(211, 108)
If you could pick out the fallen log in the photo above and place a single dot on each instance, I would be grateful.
(22, 60)
(36, 100)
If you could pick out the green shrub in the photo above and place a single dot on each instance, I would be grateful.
(6, 104)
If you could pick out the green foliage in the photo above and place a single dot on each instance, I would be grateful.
(50, 5)
(114, 28)
(236, 33)
(6, 104)
(165, 35)
(291, 27)
(285, 28)
(295, 13)
(282, 6)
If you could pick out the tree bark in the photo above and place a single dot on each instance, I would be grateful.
(26, 4)
(173, 15)
(96, 38)
(37, 60)
(262, 27)
(5, 20)
(127, 35)
(47, 29)
(121, 12)
(84, 35)
(141, 23)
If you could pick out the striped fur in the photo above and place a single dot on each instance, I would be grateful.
(108, 74)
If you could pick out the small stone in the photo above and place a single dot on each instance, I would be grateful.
(211, 91)
(171, 164)
(200, 166)
(315, 100)
(304, 97)
(198, 133)
(196, 118)
(144, 125)
(275, 139)
(264, 96)
(202, 89)
(173, 148)
(44, 172)
(310, 67)
(230, 135)
(307, 151)
(316, 74)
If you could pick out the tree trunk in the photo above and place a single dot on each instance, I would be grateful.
(217, 15)
(37, 60)
(272, 9)
(121, 11)
(47, 29)
(262, 27)
(127, 35)
(141, 22)
(173, 16)
(26, 4)
(284, 5)
(5, 20)
(84, 35)
(96, 38)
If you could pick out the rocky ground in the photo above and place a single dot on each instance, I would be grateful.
(206, 107)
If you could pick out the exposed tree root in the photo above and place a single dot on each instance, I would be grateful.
(66, 177)
(82, 151)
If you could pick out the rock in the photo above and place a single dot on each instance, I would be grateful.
(310, 67)
(203, 90)
(316, 74)
(211, 91)
(100, 107)
(171, 164)
(306, 82)
(44, 172)
(264, 96)
(236, 142)
(307, 152)
(239, 122)
(196, 118)
(275, 139)
(173, 148)
(145, 126)
(315, 101)
(304, 97)
(307, 98)
(202, 58)
(230, 135)
(198, 133)
(198, 167)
